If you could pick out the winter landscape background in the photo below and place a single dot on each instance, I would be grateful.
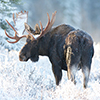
(35, 81)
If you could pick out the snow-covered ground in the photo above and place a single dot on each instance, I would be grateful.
(35, 81)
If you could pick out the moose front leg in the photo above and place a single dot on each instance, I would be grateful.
(57, 73)
(56, 67)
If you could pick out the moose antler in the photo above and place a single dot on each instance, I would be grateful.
(19, 17)
(43, 31)
(49, 24)
(17, 38)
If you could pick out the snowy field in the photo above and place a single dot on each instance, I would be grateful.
(35, 81)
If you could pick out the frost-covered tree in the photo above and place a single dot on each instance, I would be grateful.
(7, 7)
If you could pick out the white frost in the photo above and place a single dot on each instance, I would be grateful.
(35, 81)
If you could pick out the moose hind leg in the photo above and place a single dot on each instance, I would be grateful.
(71, 72)
(74, 69)
(86, 72)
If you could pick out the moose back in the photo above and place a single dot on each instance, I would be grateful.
(67, 48)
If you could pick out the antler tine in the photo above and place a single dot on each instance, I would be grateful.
(12, 27)
(52, 21)
(17, 38)
(14, 19)
(53, 18)
(8, 35)
(41, 27)
(24, 11)
(49, 24)
(42, 31)
(27, 16)
(21, 12)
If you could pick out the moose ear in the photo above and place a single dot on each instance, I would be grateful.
(37, 29)
(29, 38)
(28, 28)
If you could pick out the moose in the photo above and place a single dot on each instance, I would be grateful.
(67, 48)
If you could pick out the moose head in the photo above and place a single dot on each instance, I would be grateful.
(32, 47)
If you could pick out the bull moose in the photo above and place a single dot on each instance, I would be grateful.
(67, 48)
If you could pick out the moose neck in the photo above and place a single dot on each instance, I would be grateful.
(43, 45)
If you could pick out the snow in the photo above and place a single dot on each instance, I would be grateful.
(35, 81)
